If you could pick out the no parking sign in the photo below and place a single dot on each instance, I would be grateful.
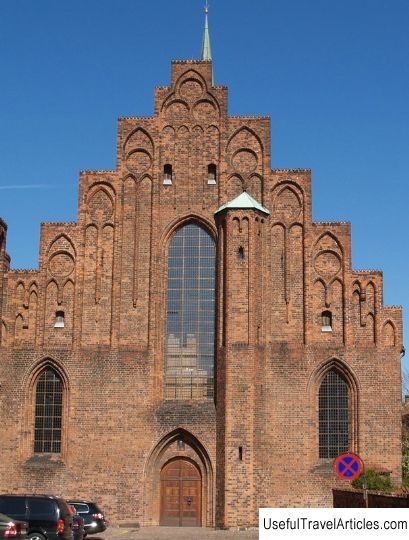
(348, 466)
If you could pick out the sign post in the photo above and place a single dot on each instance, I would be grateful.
(365, 485)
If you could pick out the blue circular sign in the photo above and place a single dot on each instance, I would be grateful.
(348, 466)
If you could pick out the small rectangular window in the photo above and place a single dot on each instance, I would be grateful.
(59, 320)
(181, 444)
(326, 321)
(211, 174)
(167, 175)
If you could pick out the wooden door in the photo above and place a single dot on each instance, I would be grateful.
(181, 489)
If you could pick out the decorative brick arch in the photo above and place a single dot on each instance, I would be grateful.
(148, 139)
(53, 245)
(179, 443)
(3, 334)
(184, 220)
(192, 74)
(389, 334)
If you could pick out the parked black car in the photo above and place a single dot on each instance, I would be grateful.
(12, 528)
(94, 518)
(78, 521)
(48, 517)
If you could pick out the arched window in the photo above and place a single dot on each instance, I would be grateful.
(48, 412)
(167, 175)
(190, 322)
(59, 319)
(326, 319)
(334, 415)
(211, 174)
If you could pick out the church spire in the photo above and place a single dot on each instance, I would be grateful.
(206, 50)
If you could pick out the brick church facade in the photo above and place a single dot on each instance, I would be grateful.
(194, 347)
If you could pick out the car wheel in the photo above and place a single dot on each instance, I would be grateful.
(35, 536)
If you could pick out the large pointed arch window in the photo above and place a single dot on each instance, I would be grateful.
(190, 321)
(334, 415)
(48, 412)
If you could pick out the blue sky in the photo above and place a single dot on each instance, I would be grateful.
(333, 76)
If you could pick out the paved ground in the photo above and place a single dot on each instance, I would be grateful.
(174, 533)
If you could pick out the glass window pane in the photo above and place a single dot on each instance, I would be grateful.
(189, 361)
(48, 413)
(43, 508)
(334, 415)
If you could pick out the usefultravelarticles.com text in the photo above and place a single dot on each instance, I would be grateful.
(364, 523)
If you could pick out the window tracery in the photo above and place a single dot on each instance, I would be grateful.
(190, 325)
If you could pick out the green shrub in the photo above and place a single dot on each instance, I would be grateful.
(376, 481)
(405, 464)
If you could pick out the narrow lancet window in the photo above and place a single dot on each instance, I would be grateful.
(326, 318)
(190, 324)
(211, 174)
(48, 413)
(334, 415)
(167, 175)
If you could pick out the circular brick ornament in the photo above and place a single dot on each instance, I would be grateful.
(61, 265)
(327, 264)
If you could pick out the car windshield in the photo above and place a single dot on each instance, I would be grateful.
(94, 508)
(81, 508)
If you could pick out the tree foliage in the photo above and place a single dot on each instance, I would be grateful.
(376, 481)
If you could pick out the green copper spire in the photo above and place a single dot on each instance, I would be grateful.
(244, 200)
(206, 50)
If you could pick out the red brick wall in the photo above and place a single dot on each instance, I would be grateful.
(107, 272)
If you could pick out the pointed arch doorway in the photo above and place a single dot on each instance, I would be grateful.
(180, 494)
